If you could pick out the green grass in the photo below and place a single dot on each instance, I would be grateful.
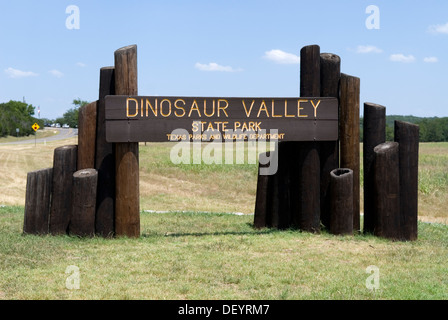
(219, 256)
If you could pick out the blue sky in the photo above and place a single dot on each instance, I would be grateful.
(224, 48)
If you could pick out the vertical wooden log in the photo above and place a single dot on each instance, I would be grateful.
(407, 136)
(387, 191)
(87, 135)
(261, 201)
(305, 164)
(64, 165)
(330, 73)
(374, 134)
(105, 161)
(341, 191)
(307, 173)
(127, 197)
(37, 201)
(82, 221)
(349, 136)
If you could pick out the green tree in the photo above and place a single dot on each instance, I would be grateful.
(17, 115)
(71, 116)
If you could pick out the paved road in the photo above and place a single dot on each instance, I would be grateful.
(63, 134)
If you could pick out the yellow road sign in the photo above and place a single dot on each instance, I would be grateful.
(35, 127)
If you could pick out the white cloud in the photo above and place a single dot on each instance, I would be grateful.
(399, 57)
(368, 49)
(431, 59)
(439, 28)
(56, 73)
(80, 64)
(16, 74)
(212, 66)
(279, 56)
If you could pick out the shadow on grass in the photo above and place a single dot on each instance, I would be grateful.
(216, 233)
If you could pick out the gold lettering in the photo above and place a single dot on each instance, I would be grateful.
(272, 108)
(315, 107)
(161, 108)
(141, 108)
(286, 110)
(223, 108)
(127, 108)
(154, 111)
(300, 108)
(194, 106)
(205, 109)
(180, 108)
(265, 109)
(195, 126)
(237, 125)
(250, 110)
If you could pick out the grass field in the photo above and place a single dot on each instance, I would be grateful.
(216, 255)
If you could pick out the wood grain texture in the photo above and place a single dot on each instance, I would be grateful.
(37, 202)
(341, 195)
(105, 160)
(127, 194)
(349, 137)
(64, 165)
(387, 191)
(374, 133)
(82, 221)
(330, 74)
(407, 136)
(87, 135)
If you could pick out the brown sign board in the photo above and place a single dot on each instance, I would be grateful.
(161, 119)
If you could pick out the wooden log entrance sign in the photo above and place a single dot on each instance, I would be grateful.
(154, 118)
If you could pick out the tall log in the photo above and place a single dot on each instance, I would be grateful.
(37, 201)
(387, 191)
(305, 164)
(105, 160)
(330, 73)
(374, 133)
(349, 136)
(127, 197)
(87, 135)
(82, 221)
(64, 165)
(341, 191)
(407, 136)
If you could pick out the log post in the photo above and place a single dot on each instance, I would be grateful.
(349, 136)
(105, 160)
(64, 165)
(407, 136)
(87, 136)
(127, 197)
(37, 201)
(305, 164)
(330, 73)
(261, 206)
(374, 134)
(273, 198)
(341, 194)
(387, 191)
(82, 221)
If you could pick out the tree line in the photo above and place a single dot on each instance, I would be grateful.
(431, 129)
(17, 115)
